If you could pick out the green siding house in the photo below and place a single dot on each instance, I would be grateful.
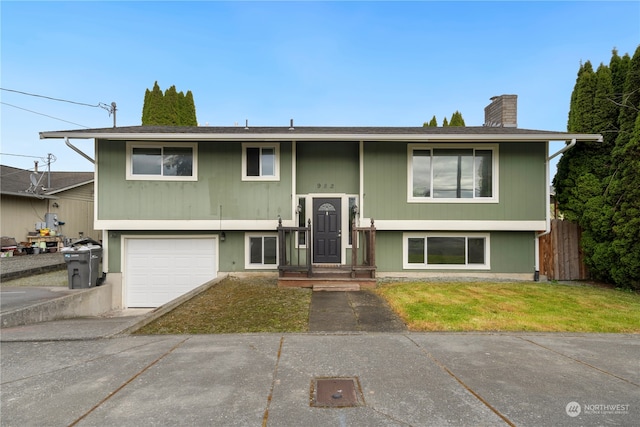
(181, 205)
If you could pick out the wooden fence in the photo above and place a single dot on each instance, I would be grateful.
(560, 254)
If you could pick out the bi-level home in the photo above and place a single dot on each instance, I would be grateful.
(181, 205)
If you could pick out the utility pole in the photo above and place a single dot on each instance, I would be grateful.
(113, 111)
(49, 171)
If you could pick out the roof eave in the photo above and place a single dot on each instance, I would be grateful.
(319, 137)
(70, 187)
(29, 195)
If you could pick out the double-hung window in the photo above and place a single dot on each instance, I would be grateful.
(446, 251)
(261, 162)
(261, 251)
(161, 161)
(452, 174)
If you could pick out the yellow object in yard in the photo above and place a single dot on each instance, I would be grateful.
(44, 231)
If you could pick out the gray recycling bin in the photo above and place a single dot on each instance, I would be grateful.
(83, 263)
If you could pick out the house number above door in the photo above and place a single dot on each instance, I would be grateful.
(325, 185)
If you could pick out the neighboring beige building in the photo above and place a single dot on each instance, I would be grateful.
(26, 202)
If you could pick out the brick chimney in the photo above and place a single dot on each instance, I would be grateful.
(502, 112)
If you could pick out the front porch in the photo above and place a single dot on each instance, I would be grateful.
(296, 268)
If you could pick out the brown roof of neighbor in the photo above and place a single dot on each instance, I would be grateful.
(16, 181)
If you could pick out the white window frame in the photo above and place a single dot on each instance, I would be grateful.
(138, 177)
(247, 252)
(276, 147)
(494, 148)
(414, 266)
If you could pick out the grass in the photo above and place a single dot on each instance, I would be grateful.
(238, 305)
(541, 307)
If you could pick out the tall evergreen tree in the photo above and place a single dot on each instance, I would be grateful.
(445, 122)
(598, 184)
(152, 108)
(456, 119)
(172, 108)
(433, 122)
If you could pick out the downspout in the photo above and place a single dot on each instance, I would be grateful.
(536, 274)
(77, 150)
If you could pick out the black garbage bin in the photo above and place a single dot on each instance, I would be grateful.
(83, 263)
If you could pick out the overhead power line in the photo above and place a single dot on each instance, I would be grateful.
(49, 97)
(42, 114)
(110, 108)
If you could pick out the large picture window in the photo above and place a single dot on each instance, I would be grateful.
(452, 174)
(260, 162)
(261, 251)
(161, 162)
(446, 251)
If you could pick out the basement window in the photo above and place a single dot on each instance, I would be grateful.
(261, 251)
(453, 251)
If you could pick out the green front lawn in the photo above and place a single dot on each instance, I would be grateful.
(483, 306)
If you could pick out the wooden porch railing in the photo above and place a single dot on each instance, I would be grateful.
(295, 253)
(293, 249)
(363, 250)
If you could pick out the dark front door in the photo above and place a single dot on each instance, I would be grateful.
(326, 231)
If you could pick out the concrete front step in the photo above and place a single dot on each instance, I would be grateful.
(312, 282)
(336, 287)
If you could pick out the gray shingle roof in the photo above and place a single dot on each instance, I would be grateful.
(16, 181)
(301, 133)
(318, 130)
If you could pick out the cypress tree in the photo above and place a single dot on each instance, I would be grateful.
(433, 122)
(598, 184)
(574, 162)
(445, 123)
(625, 184)
(189, 110)
(172, 108)
(152, 109)
(456, 119)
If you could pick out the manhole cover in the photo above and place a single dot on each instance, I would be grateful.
(336, 392)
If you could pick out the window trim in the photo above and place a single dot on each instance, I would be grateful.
(414, 266)
(494, 148)
(275, 146)
(139, 177)
(247, 252)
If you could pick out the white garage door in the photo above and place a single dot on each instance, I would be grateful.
(160, 270)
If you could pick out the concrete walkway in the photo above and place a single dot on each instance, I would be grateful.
(361, 311)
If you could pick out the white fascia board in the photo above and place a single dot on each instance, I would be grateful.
(204, 137)
(71, 187)
(448, 225)
(213, 225)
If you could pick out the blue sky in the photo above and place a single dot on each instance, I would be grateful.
(320, 63)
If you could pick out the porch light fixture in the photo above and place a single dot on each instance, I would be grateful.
(298, 209)
(354, 209)
(223, 236)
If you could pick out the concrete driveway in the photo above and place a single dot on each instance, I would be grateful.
(400, 379)
(12, 298)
